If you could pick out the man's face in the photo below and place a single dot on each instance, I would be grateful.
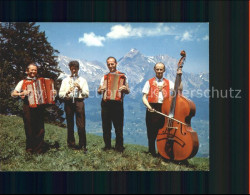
(111, 64)
(74, 70)
(32, 71)
(159, 70)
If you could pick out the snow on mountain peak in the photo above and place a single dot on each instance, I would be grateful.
(133, 52)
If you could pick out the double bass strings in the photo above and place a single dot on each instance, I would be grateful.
(170, 118)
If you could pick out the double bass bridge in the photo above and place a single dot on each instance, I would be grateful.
(166, 131)
(172, 138)
(173, 128)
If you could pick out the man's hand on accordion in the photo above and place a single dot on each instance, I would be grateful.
(101, 89)
(24, 93)
(124, 89)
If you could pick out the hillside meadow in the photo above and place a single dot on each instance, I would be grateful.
(135, 157)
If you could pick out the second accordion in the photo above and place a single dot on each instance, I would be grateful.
(113, 82)
(41, 91)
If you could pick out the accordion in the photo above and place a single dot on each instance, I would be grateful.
(41, 91)
(113, 82)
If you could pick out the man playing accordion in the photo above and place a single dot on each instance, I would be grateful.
(35, 93)
(113, 86)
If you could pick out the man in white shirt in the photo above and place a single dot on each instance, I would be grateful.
(154, 92)
(74, 89)
(33, 118)
(112, 108)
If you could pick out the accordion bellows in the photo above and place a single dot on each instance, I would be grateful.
(41, 91)
(113, 82)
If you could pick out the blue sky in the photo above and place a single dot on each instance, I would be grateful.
(96, 41)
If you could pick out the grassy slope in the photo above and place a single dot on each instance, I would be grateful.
(14, 158)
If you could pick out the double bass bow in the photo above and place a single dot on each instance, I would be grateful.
(177, 140)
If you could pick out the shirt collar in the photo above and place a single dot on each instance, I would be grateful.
(72, 76)
(116, 72)
(29, 78)
(159, 80)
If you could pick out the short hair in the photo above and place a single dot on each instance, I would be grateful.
(110, 58)
(160, 63)
(33, 64)
(74, 63)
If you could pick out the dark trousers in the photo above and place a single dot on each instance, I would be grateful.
(154, 122)
(34, 128)
(78, 109)
(112, 112)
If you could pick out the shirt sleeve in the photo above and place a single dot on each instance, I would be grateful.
(171, 85)
(146, 88)
(63, 89)
(102, 81)
(19, 86)
(85, 89)
(126, 82)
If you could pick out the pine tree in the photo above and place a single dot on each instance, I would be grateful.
(21, 44)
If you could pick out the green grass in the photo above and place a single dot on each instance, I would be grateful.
(135, 157)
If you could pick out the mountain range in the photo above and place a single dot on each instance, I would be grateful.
(138, 68)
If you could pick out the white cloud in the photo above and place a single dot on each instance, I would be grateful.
(186, 36)
(158, 31)
(206, 38)
(119, 32)
(192, 35)
(92, 40)
(125, 31)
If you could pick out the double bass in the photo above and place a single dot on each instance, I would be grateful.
(177, 140)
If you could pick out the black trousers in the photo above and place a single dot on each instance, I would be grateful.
(78, 109)
(112, 112)
(154, 122)
(33, 119)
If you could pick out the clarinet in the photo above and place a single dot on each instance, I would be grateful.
(75, 91)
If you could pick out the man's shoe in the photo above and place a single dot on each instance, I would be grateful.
(154, 154)
(81, 148)
(56, 145)
(120, 149)
(72, 146)
(106, 148)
